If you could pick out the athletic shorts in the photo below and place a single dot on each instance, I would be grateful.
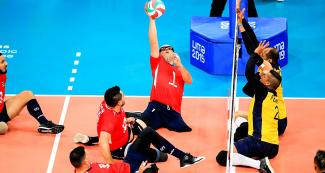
(4, 115)
(253, 147)
(158, 115)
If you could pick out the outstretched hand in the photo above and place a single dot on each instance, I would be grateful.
(261, 46)
(240, 15)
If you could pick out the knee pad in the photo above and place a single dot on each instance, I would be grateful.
(222, 158)
(145, 133)
(137, 114)
(3, 128)
(138, 126)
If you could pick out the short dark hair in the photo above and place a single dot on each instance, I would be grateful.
(320, 159)
(274, 55)
(0, 54)
(113, 96)
(77, 156)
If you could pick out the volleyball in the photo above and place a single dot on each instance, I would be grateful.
(154, 8)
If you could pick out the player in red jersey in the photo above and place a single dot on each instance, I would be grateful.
(169, 76)
(11, 107)
(115, 139)
(79, 160)
(114, 129)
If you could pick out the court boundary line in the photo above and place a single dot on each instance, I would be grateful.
(195, 97)
(58, 136)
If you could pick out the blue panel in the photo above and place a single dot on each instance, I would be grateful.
(212, 48)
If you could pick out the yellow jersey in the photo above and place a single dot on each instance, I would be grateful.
(263, 118)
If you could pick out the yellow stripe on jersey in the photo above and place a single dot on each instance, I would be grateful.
(263, 119)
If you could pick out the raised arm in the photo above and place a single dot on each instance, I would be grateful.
(247, 32)
(153, 39)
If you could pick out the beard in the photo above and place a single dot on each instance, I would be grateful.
(3, 72)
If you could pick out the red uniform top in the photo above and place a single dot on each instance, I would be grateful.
(3, 79)
(120, 167)
(113, 123)
(168, 83)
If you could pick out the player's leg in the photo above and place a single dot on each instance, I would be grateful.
(26, 98)
(151, 116)
(149, 136)
(174, 121)
(244, 150)
(217, 7)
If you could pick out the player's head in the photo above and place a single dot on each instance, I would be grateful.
(114, 96)
(271, 79)
(319, 161)
(77, 156)
(167, 52)
(271, 54)
(3, 64)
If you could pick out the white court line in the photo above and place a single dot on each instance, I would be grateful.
(194, 97)
(58, 136)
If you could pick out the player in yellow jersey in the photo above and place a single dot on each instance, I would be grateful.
(271, 55)
(262, 141)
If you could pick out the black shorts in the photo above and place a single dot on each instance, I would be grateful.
(4, 117)
(158, 115)
(253, 147)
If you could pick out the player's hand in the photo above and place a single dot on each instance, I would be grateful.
(240, 15)
(130, 121)
(262, 45)
(144, 166)
(177, 60)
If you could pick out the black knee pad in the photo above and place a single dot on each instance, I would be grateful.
(138, 126)
(146, 132)
(222, 158)
(137, 115)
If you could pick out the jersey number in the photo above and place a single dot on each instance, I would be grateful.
(173, 83)
(276, 117)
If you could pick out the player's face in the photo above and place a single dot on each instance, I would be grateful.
(3, 64)
(264, 78)
(168, 54)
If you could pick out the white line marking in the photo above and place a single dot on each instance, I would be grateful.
(58, 136)
(78, 54)
(72, 79)
(70, 88)
(190, 97)
(76, 62)
(74, 71)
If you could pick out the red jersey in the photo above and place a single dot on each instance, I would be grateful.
(120, 167)
(113, 123)
(3, 79)
(168, 83)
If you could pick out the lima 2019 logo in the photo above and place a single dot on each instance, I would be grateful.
(7, 51)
